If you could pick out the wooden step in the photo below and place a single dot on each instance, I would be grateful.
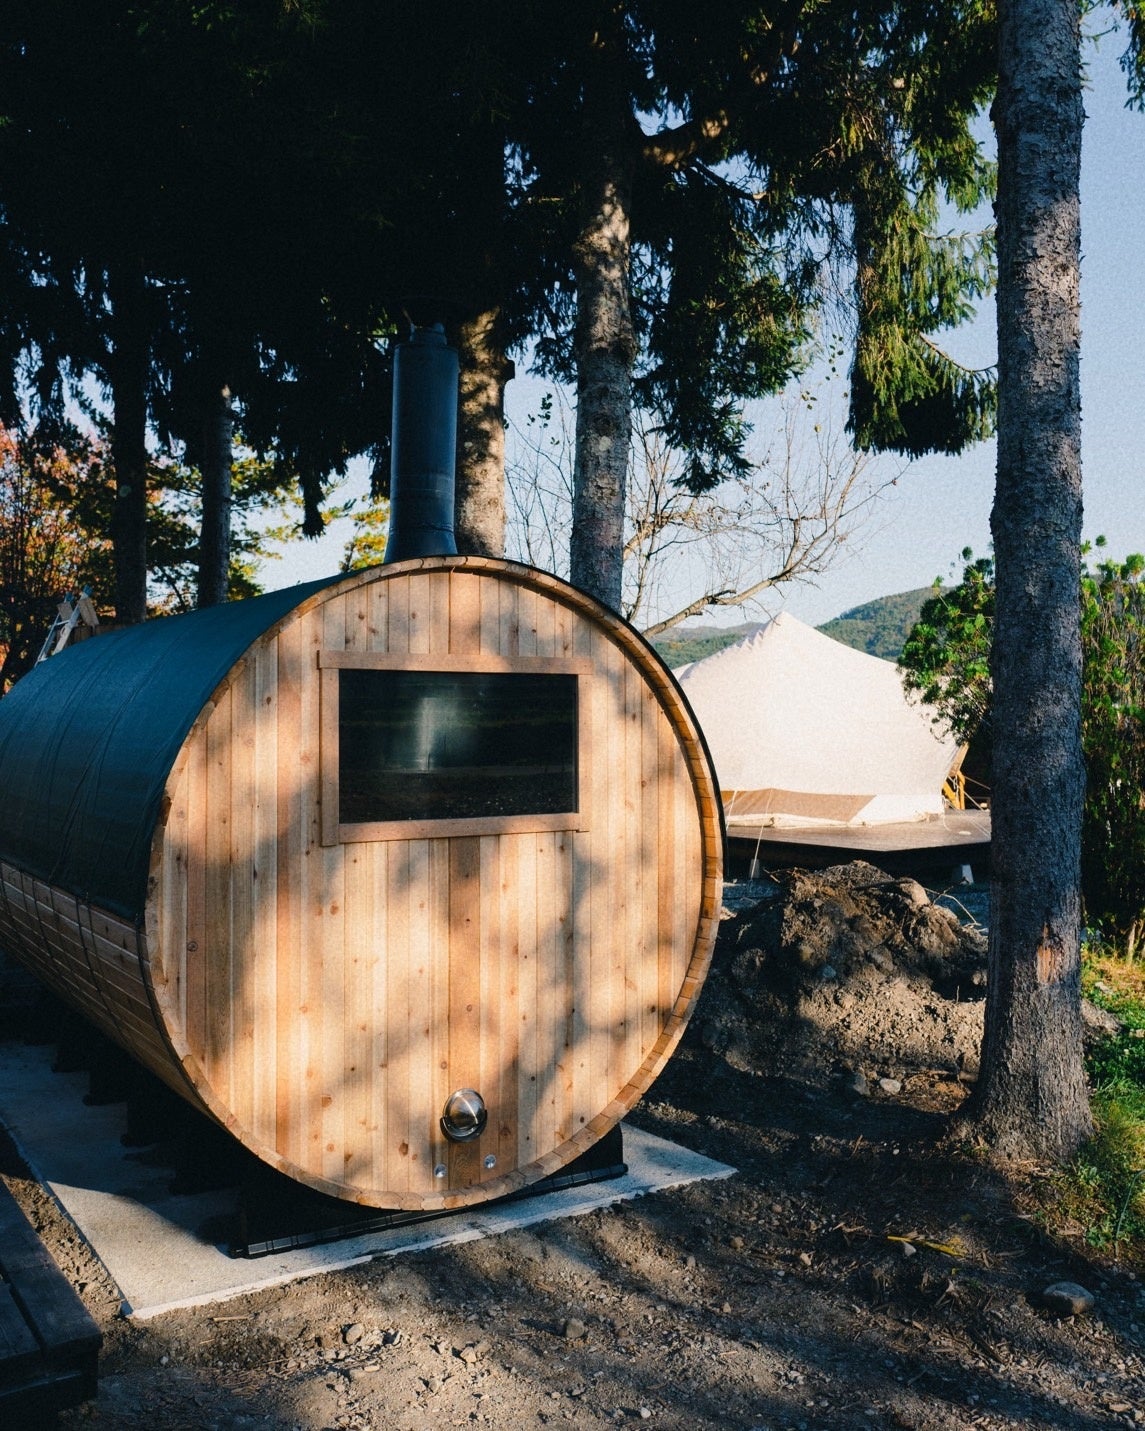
(49, 1343)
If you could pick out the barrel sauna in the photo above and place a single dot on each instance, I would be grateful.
(410, 879)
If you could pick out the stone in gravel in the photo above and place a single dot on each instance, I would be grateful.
(913, 893)
(857, 1084)
(690, 1260)
(645, 1413)
(736, 1244)
(353, 1334)
(890, 1085)
(1068, 1299)
(468, 1355)
(573, 1330)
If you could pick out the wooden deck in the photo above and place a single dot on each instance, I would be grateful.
(960, 837)
(48, 1341)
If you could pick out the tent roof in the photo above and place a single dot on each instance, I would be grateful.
(805, 729)
(88, 739)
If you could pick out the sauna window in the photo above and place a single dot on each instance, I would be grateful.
(420, 745)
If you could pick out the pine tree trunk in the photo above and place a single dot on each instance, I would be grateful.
(480, 495)
(1031, 1097)
(604, 341)
(128, 367)
(215, 538)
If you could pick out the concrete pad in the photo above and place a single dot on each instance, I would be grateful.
(152, 1243)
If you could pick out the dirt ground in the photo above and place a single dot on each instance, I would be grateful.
(858, 1271)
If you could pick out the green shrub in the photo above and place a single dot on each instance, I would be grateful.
(946, 661)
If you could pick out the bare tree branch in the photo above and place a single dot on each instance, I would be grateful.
(787, 520)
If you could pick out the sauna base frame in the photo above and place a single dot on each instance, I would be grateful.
(276, 1214)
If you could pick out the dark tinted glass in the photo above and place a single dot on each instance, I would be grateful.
(447, 745)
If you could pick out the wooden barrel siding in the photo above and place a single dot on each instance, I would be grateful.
(322, 989)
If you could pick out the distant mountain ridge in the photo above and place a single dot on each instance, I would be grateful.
(878, 627)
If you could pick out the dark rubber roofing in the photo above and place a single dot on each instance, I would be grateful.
(89, 736)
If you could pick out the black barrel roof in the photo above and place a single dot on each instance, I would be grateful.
(88, 739)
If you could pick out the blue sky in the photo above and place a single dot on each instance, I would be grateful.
(941, 504)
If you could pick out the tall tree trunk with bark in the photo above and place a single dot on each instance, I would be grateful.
(480, 494)
(1031, 1096)
(215, 468)
(604, 340)
(128, 370)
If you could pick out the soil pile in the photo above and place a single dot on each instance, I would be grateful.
(850, 975)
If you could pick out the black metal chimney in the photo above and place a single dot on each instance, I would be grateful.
(423, 447)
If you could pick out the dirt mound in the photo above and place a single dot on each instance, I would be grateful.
(847, 974)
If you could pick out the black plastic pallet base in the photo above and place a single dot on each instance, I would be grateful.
(276, 1214)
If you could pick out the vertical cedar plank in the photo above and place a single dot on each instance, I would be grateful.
(378, 935)
(490, 597)
(527, 600)
(527, 990)
(358, 923)
(581, 992)
(565, 990)
(631, 957)
(438, 583)
(464, 614)
(614, 933)
(290, 1054)
(582, 882)
(427, 1143)
(425, 927)
(509, 594)
(378, 607)
(491, 1053)
(168, 962)
(407, 869)
(361, 931)
(549, 964)
(243, 894)
(218, 1032)
(325, 957)
(194, 992)
(564, 627)
(262, 952)
(650, 850)
(546, 626)
(668, 895)
(463, 1035)
(357, 618)
(398, 641)
(601, 874)
(509, 969)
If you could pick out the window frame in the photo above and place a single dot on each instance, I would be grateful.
(336, 832)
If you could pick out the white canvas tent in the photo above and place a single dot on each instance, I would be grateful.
(804, 730)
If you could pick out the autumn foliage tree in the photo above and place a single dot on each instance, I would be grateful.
(47, 549)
